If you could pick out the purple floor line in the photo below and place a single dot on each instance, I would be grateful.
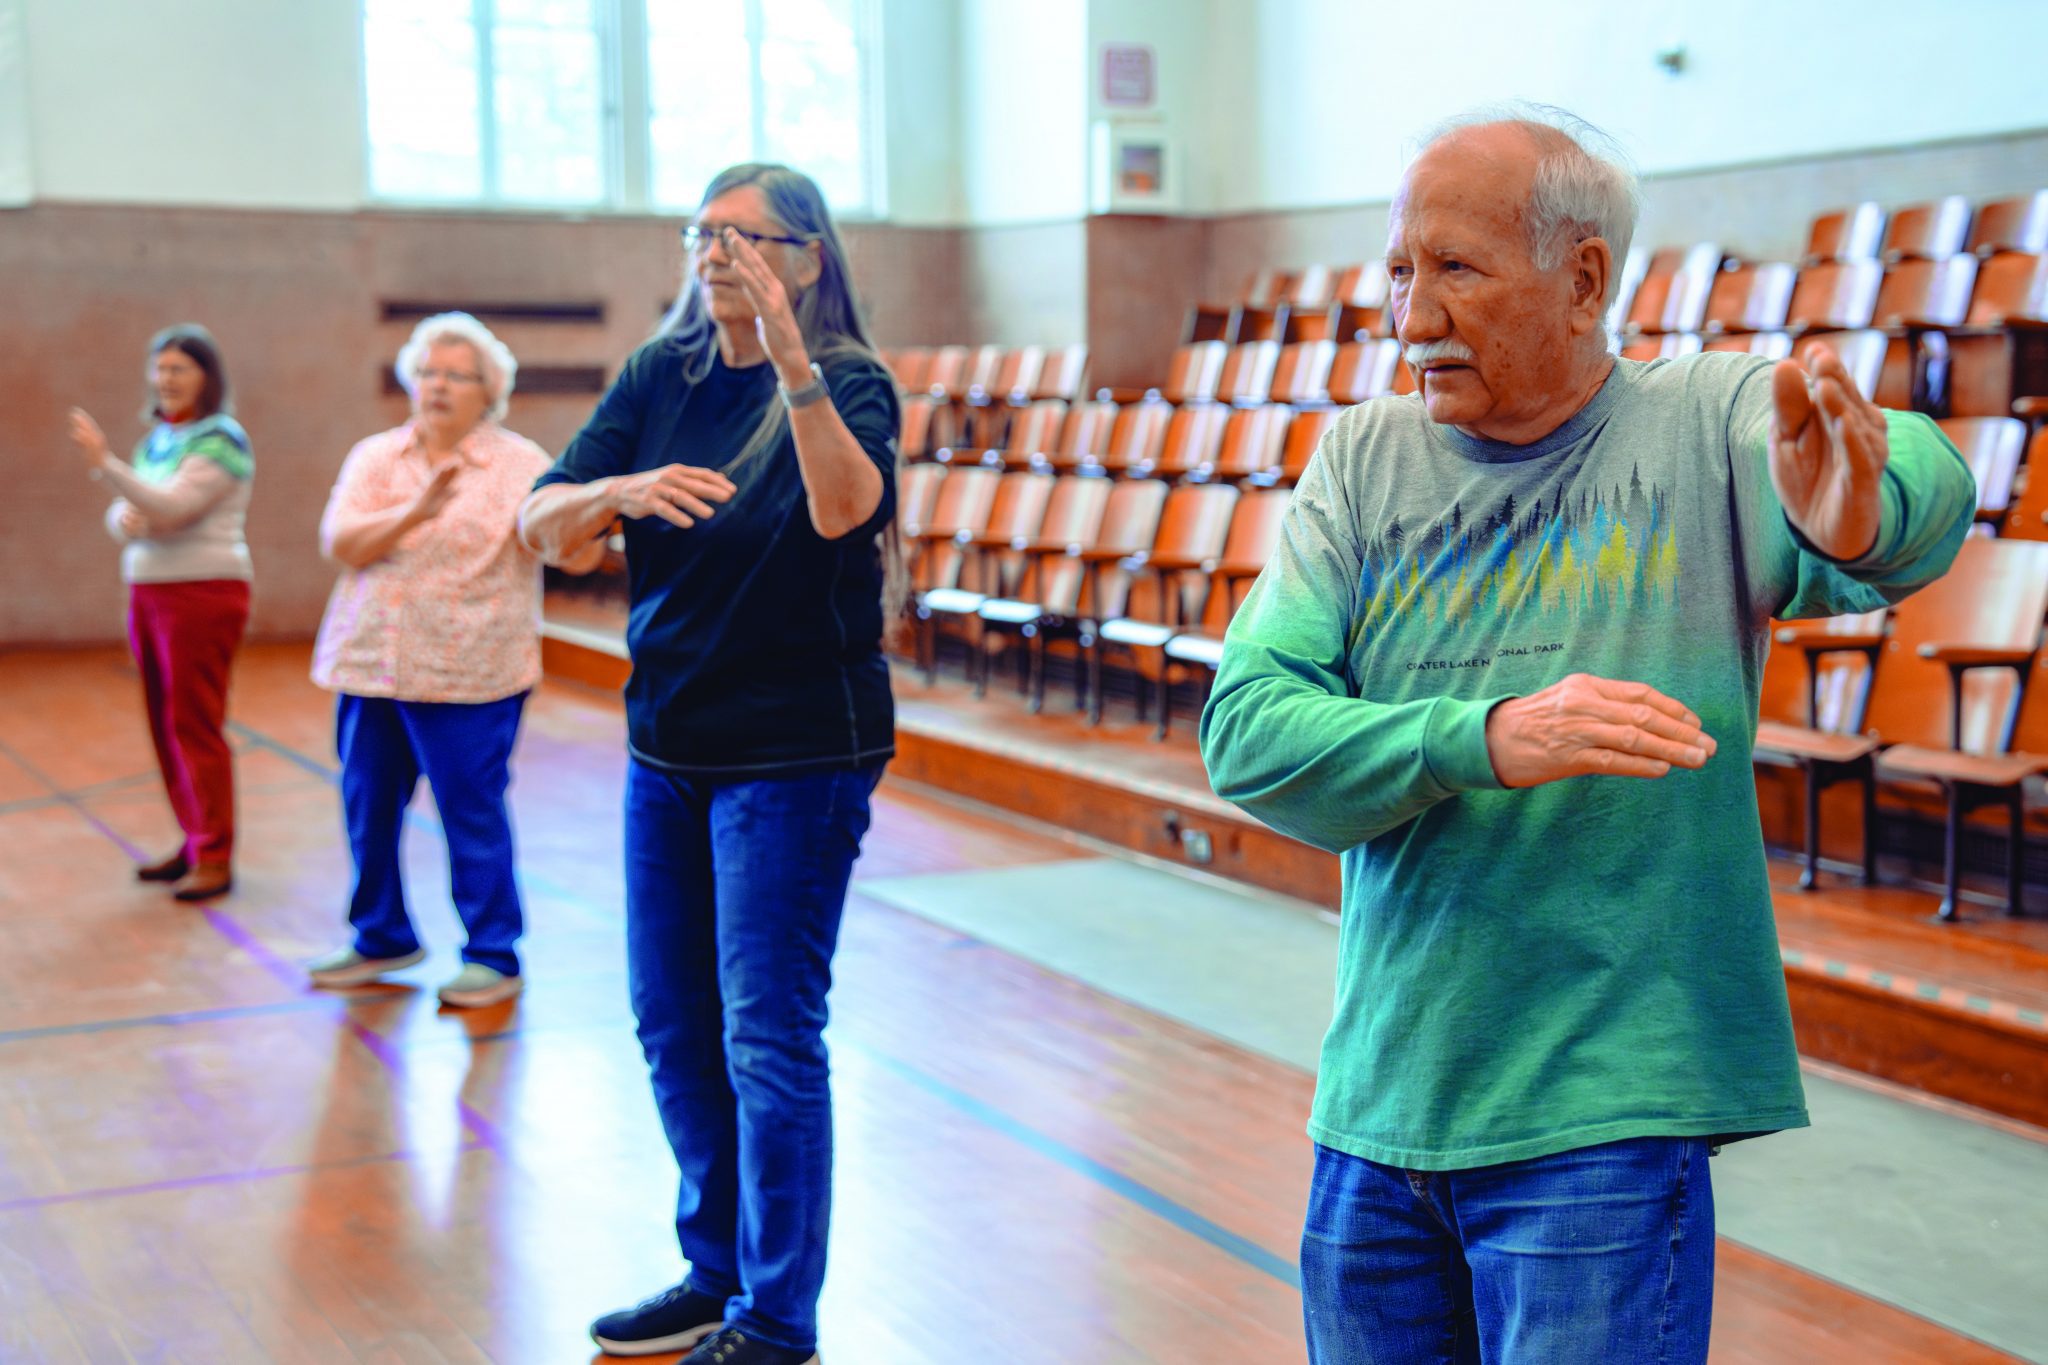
(485, 1132)
(193, 1182)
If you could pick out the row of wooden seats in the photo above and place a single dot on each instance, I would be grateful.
(1930, 231)
(1694, 289)
(1253, 372)
(1948, 695)
(1136, 568)
(1315, 303)
(1151, 438)
(989, 374)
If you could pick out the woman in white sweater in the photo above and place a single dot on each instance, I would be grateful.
(179, 509)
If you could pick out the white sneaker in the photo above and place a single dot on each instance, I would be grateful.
(476, 986)
(345, 967)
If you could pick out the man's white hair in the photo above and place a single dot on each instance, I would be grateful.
(493, 357)
(1585, 186)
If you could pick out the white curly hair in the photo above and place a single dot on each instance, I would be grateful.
(493, 357)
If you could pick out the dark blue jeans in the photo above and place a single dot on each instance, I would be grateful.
(734, 892)
(1601, 1254)
(465, 750)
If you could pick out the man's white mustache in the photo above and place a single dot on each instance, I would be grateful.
(1435, 352)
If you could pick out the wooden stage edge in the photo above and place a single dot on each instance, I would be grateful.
(1932, 1008)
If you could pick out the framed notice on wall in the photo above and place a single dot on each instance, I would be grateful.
(1129, 76)
(1134, 168)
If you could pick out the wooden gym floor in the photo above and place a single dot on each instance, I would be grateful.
(201, 1160)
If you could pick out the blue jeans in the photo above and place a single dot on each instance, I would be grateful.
(1601, 1254)
(465, 750)
(734, 892)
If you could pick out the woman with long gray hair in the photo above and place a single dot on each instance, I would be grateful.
(750, 450)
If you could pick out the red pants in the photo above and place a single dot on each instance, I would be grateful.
(184, 637)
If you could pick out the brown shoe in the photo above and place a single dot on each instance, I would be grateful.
(205, 882)
(171, 869)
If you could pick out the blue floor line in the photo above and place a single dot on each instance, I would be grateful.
(1144, 1196)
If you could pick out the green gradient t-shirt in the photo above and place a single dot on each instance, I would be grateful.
(1525, 972)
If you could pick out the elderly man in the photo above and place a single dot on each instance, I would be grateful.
(1558, 990)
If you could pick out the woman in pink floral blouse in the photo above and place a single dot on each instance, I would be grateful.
(432, 642)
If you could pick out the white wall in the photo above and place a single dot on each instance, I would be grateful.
(920, 111)
(1184, 50)
(228, 102)
(17, 170)
(1023, 110)
(1331, 89)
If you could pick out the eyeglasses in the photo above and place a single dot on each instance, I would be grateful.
(452, 376)
(697, 236)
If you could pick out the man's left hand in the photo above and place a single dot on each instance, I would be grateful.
(1828, 451)
(774, 320)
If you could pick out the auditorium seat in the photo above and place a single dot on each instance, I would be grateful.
(1673, 294)
(1188, 450)
(915, 439)
(1935, 230)
(1304, 434)
(1926, 293)
(1750, 298)
(917, 492)
(1311, 289)
(1250, 446)
(1135, 437)
(966, 496)
(1835, 296)
(1247, 374)
(1363, 369)
(909, 365)
(1254, 531)
(1632, 267)
(1196, 369)
(947, 376)
(1143, 598)
(1815, 724)
(2016, 224)
(1258, 322)
(1946, 696)
(1017, 375)
(989, 566)
(2012, 286)
(1991, 446)
(1862, 353)
(1063, 374)
(2027, 518)
(1302, 374)
(1033, 436)
(1084, 435)
(1850, 234)
(1057, 604)
(1999, 355)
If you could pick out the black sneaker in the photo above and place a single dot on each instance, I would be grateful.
(734, 1347)
(673, 1320)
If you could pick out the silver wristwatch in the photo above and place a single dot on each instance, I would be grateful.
(808, 394)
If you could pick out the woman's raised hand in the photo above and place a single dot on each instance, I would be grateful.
(679, 494)
(88, 438)
(774, 319)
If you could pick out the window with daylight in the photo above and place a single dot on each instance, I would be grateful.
(630, 104)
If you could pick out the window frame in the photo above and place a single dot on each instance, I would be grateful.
(625, 142)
